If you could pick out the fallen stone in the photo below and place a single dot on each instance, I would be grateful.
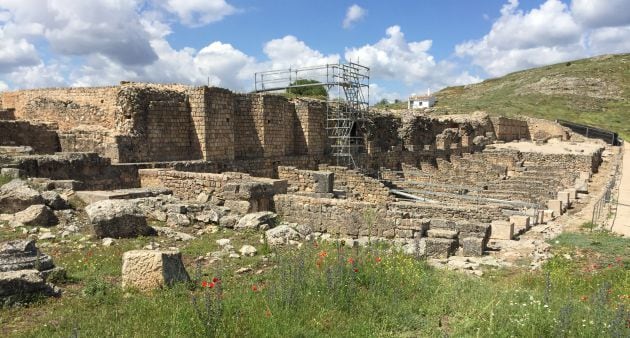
(177, 220)
(258, 220)
(17, 286)
(203, 197)
(36, 215)
(442, 233)
(53, 200)
(440, 247)
(146, 270)
(281, 235)
(223, 241)
(228, 221)
(242, 271)
(521, 223)
(16, 196)
(117, 219)
(46, 236)
(248, 250)
(23, 255)
(208, 216)
(176, 235)
(107, 241)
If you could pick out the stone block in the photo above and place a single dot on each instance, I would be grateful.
(548, 215)
(565, 198)
(502, 230)
(440, 247)
(521, 223)
(324, 181)
(146, 270)
(442, 233)
(473, 246)
(443, 224)
(556, 206)
(572, 193)
(36, 215)
(117, 219)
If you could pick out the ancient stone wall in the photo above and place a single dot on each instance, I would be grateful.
(351, 218)
(357, 186)
(568, 162)
(310, 127)
(506, 129)
(212, 114)
(540, 129)
(6, 114)
(42, 137)
(68, 107)
(310, 181)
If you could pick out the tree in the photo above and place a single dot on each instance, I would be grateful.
(318, 91)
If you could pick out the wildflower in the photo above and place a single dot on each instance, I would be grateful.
(610, 266)
(215, 280)
(323, 254)
(618, 259)
(378, 259)
(204, 284)
(267, 313)
(350, 260)
(595, 266)
(583, 298)
(211, 285)
(254, 288)
(356, 270)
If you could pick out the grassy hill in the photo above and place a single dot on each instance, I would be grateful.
(594, 91)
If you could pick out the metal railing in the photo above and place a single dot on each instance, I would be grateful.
(606, 197)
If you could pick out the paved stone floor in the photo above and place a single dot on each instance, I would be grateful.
(622, 221)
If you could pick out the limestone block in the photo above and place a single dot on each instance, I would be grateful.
(281, 235)
(548, 215)
(150, 269)
(468, 229)
(53, 200)
(572, 193)
(258, 220)
(35, 215)
(473, 246)
(556, 207)
(117, 219)
(502, 230)
(241, 207)
(441, 233)
(21, 283)
(565, 198)
(16, 196)
(324, 181)
(440, 247)
(521, 223)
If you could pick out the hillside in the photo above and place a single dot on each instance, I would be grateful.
(594, 91)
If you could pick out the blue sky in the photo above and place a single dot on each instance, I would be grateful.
(409, 45)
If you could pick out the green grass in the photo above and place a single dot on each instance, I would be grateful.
(4, 180)
(324, 290)
(507, 95)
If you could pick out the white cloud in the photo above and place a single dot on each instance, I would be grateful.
(598, 13)
(41, 75)
(353, 14)
(3, 86)
(519, 40)
(196, 13)
(610, 40)
(16, 53)
(291, 52)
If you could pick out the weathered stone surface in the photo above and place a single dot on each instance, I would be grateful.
(117, 219)
(521, 223)
(258, 220)
(21, 283)
(23, 255)
(229, 221)
(247, 250)
(472, 246)
(146, 270)
(176, 235)
(440, 247)
(502, 230)
(208, 216)
(54, 201)
(441, 233)
(36, 215)
(443, 224)
(556, 206)
(281, 235)
(177, 220)
(16, 196)
(565, 197)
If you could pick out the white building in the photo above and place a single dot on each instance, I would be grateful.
(421, 101)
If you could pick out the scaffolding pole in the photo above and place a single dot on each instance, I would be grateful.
(346, 110)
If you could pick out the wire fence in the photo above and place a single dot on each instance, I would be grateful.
(600, 212)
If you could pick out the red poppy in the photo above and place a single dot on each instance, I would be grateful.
(323, 253)
(610, 266)
(350, 260)
(356, 270)
(618, 259)
(204, 284)
(211, 285)
(378, 259)
(583, 298)
(215, 280)
(254, 288)
(595, 266)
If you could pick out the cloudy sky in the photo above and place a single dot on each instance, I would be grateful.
(409, 45)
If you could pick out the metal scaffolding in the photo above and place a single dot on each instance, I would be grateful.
(348, 88)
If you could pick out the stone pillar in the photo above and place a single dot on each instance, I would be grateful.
(555, 206)
(501, 230)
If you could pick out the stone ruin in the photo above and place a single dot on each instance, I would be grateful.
(435, 186)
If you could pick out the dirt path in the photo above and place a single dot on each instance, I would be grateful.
(622, 220)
